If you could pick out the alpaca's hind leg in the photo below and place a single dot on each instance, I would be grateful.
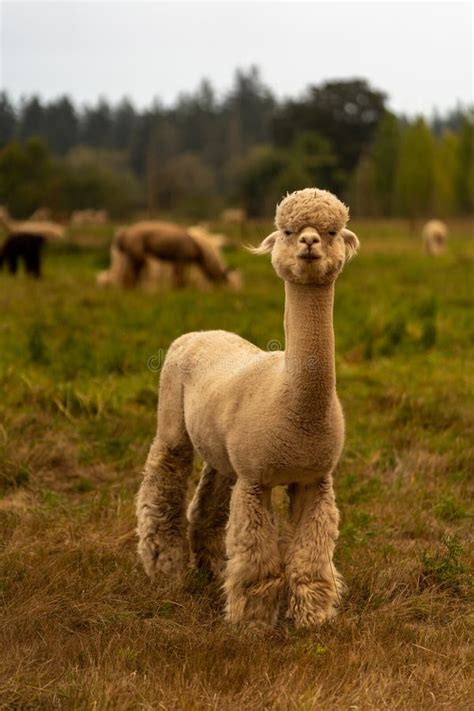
(208, 514)
(33, 262)
(161, 501)
(179, 275)
(161, 508)
(253, 575)
(314, 585)
(12, 262)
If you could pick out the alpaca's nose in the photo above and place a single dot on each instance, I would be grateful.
(309, 238)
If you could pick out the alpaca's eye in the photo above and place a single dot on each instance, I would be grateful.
(287, 232)
(332, 233)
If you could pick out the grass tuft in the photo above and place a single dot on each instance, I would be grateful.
(446, 568)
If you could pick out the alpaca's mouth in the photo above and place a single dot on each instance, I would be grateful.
(309, 257)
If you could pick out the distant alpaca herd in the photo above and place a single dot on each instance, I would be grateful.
(137, 253)
(150, 252)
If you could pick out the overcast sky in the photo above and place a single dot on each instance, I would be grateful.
(419, 53)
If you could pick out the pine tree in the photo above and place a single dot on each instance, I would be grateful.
(415, 173)
(61, 125)
(464, 179)
(7, 119)
(385, 156)
(446, 159)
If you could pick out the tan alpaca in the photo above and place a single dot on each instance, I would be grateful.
(133, 247)
(234, 215)
(258, 419)
(41, 213)
(89, 217)
(434, 237)
(43, 228)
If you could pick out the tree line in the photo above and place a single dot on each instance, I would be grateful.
(245, 148)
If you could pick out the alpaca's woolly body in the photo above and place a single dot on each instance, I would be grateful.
(46, 229)
(133, 247)
(258, 420)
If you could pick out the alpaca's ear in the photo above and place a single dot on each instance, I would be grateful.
(265, 246)
(352, 243)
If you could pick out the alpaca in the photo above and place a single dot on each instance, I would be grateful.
(26, 247)
(41, 213)
(133, 246)
(258, 420)
(25, 242)
(234, 215)
(89, 217)
(434, 237)
(43, 228)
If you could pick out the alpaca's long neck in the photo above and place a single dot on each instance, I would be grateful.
(309, 350)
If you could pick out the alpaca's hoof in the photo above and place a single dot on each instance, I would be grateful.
(256, 605)
(161, 562)
(311, 604)
(305, 617)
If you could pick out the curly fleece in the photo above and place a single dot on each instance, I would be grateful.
(314, 207)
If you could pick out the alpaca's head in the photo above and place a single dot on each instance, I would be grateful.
(311, 244)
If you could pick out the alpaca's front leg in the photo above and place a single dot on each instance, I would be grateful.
(314, 585)
(161, 506)
(253, 574)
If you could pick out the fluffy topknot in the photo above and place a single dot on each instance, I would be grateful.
(311, 206)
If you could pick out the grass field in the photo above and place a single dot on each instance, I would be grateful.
(81, 627)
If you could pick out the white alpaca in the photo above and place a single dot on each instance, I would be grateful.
(258, 420)
(89, 217)
(434, 237)
(234, 215)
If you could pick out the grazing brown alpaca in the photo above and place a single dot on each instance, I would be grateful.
(258, 420)
(133, 246)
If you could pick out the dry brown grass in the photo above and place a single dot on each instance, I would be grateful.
(82, 627)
